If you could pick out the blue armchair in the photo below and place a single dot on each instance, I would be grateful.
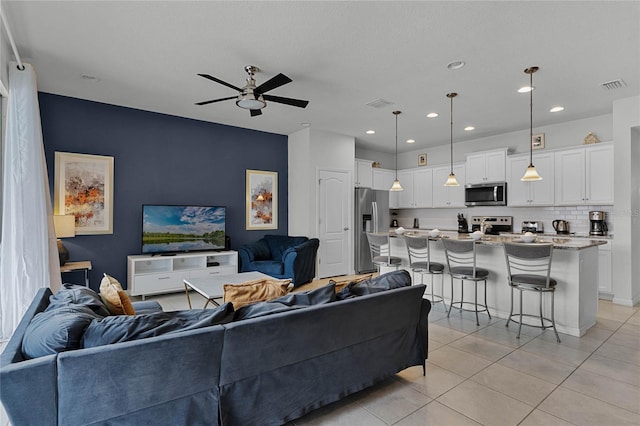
(281, 256)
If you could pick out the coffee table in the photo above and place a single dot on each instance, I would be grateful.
(211, 288)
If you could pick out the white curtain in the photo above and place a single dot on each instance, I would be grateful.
(28, 251)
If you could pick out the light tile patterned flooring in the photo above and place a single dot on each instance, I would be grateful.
(485, 375)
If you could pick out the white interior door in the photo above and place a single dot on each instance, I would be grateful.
(335, 253)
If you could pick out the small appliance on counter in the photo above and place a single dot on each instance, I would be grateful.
(598, 225)
(561, 226)
(394, 221)
(463, 226)
(492, 225)
(532, 226)
(416, 223)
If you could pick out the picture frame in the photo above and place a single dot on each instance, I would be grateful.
(537, 141)
(261, 200)
(422, 159)
(83, 187)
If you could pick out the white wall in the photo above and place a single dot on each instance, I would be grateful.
(626, 217)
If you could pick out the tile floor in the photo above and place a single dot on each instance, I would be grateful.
(485, 375)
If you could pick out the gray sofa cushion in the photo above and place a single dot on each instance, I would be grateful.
(388, 281)
(56, 330)
(78, 295)
(122, 328)
(291, 301)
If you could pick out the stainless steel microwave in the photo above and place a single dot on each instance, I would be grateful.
(486, 194)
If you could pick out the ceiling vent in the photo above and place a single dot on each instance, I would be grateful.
(379, 103)
(613, 84)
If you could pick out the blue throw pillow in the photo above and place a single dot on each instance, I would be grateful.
(388, 281)
(72, 294)
(56, 330)
(123, 328)
(326, 294)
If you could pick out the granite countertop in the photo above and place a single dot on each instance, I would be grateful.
(559, 242)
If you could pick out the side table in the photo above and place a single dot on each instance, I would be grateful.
(83, 265)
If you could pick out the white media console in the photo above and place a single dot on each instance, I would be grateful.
(147, 274)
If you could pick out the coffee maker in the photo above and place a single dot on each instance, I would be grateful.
(598, 225)
(463, 226)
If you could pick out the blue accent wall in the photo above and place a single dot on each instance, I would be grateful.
(159, 159)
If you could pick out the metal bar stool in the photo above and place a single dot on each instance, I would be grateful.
(529, 269)
(419, 252)
(461, 260)
(381, 251)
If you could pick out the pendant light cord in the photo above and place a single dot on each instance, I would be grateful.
(396, 113)
(451, 139)
(531, 119)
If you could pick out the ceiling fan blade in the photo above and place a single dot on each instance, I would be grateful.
(277, 81)
(217, 80)
(287, 101)
(255, 112)
(216, 100)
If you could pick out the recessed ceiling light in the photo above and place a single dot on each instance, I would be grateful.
(455, 65)
(557, 109)
(371, 132)
(525, 89)
(432, 115)
(469, 128)
(411, 141)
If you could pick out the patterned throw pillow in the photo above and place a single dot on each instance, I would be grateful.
(255, 291)
(114, 297)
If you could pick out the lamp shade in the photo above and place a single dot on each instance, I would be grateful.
(65, 225)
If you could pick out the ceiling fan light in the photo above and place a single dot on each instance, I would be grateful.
(250, 101)
(451, 180)
(396, 186)
(531, 174)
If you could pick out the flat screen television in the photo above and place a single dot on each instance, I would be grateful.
(175, 229)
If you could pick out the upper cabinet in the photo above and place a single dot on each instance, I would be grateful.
(417, 185)
(364, 174)
(487, 166)
(383, 179)
(538, 193)
(448, 196)
(584, 175)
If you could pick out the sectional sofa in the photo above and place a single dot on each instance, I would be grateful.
(281, 361)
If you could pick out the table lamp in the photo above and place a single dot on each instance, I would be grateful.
(65, 226)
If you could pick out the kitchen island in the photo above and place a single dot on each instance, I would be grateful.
(574, 266)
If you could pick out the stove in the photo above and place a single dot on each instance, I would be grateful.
(498, 224)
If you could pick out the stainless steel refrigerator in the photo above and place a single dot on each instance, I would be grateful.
(372, 215)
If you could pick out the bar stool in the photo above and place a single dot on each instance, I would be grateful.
(529, 269)
(381, 251)
(461, 260)
(419, 252)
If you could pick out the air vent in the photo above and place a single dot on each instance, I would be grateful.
(613, 84)
(379, 103)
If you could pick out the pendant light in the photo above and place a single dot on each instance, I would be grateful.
(451, 180)
(531, 174)
(396, 183)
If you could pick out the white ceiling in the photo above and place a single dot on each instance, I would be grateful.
(340, 55)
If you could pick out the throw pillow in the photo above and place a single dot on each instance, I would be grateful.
(114, 297)
(73, 294)
(254, 291)
(326, 294)
(388, 281)
(341, 283)
(124, 328)
(57, 330)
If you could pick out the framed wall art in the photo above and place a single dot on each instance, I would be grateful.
(262, 200)
(422, 159)
(537, 141)
(83, 187)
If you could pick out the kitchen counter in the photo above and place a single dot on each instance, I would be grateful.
(574, 266)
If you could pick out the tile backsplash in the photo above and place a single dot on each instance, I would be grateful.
(577, 216)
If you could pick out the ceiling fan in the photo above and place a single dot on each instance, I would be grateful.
(254, 98)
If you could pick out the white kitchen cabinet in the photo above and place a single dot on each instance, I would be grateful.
(364, 174)
(584, 176)
(417, 187)
(538, 193)
(383, 179)
(487, 166)
(448, 196)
